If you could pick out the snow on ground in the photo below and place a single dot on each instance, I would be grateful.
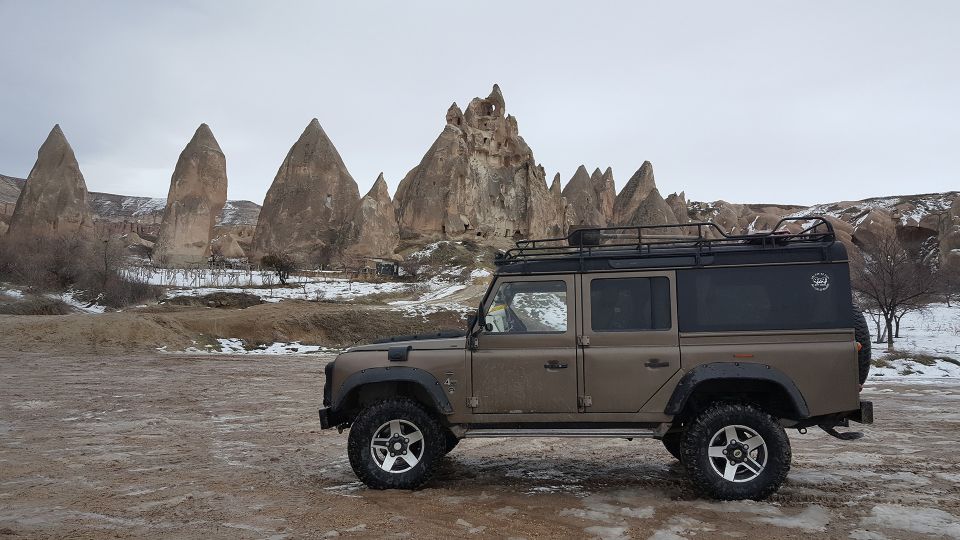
(330, 290)
(12, 293)
(928, 349)
(235, 346)
(70, 299)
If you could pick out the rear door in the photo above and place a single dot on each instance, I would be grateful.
(628, 338)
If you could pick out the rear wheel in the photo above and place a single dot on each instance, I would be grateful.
(394, 444)
(736, 451)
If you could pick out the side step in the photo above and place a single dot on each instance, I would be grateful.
(616, 433)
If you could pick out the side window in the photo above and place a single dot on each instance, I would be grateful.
(529, 307)
(630, 304)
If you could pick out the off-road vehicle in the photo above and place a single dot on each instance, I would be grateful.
(711, 342)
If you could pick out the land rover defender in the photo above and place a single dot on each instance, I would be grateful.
(713, 343)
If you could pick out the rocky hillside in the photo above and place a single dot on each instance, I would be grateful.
(132, 213)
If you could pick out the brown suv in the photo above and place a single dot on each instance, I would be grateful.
(713, 343)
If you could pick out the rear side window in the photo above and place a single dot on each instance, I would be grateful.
(629, 304)
(764, 298)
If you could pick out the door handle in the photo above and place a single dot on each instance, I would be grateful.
(656, 363)
(554, 364)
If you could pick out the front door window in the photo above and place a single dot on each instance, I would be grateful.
(538, 307)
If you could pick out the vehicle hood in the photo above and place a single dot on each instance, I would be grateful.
(417, 344)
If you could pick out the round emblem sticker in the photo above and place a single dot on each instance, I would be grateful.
(820, 281)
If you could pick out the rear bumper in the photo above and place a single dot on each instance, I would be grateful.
(326, 418)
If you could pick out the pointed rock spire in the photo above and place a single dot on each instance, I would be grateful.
(555, 189)
(584, 199)
(454, 115)
(312, 197)
(678, 202)
(640, 202)
(198, 191)
(54, 197)
(373, 231)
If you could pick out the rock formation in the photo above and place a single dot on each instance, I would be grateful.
(373, 230)
(949, 231)
(640, 202)
(54, 198)
(227, 247)
(678, 203)
(198, 191)
(587, 198)
(311, 200)
(479, 179)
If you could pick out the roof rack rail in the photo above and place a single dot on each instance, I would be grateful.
(650, 240)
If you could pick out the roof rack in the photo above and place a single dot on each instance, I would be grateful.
(667, 239)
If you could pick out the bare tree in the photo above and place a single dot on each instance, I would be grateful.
(282, 264)
(893, 282)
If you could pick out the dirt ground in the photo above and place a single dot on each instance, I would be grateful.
(179, 446)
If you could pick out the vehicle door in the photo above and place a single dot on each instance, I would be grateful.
(525, 360)
(629, 338)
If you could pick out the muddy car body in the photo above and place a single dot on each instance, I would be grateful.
(711, 342)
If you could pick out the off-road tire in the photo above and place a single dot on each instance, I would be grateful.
(673, 442)
(697, 439)
(364, 428)
(861, 331)
(451, 441)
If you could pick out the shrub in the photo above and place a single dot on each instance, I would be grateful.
(62, 262)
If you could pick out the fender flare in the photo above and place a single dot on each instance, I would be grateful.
(736, 371)
(395, 374)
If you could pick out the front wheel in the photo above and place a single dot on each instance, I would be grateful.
(394, 444)
(736, 451)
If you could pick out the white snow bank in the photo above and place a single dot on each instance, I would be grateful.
(70, 299)
(933, 333)
(234, 346)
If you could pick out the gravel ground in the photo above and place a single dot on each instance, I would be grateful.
(229, 447)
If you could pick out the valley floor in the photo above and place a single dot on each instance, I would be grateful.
(181, 446)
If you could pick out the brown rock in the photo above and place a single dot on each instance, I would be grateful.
(678, 203)
(227, 246)
(373, 230)
(640, 202)
(3, 228)
(311, 200)
(198, 191)
(54, 198)
(479, 179)
(584, 201)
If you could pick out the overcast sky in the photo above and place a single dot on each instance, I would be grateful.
(764, 101)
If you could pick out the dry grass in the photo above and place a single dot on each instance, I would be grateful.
(37, 305)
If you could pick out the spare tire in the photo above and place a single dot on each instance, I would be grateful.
(862, 334)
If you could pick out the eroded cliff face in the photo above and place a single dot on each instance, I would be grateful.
(479, 180)
(311, 200)
(54, 197)
(198, 192)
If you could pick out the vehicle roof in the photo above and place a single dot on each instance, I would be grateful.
(673, 246)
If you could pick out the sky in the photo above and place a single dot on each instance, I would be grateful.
(765, 101)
